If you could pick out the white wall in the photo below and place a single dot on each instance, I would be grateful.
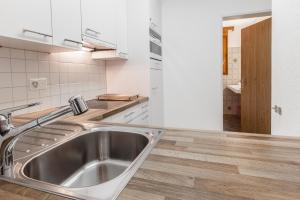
(192, 37)
(286, 67)
(132, 77)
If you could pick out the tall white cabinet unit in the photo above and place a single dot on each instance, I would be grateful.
(155, 15)
(29, 21)
(156, 67)
(156, 97)
(139, 75)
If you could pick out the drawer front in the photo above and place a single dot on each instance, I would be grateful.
(128, 115)
(143, 119)
(155, 64)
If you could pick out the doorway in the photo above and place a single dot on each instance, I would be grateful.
(247, 74)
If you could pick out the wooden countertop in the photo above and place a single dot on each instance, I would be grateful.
(187, 165)
(95, 114)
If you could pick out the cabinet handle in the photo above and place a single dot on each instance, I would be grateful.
(93, 31)
(123, 54)
(154, 88)
(128, 115)
(73, 41)
(38, 33)
(152, 68)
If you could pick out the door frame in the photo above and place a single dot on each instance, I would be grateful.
(232, 17)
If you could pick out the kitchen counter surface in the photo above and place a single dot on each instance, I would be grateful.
(95, 114)
(188, 165)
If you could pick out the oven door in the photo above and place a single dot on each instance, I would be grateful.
(155, 49)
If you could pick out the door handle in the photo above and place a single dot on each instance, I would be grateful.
(243, 84)
(277, 109)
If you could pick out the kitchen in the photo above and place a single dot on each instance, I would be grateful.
(144, 84)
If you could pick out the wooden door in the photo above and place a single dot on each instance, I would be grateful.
(256, 78)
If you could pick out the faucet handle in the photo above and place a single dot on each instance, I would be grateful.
(78, 105)
(8, 111)
(6, 116)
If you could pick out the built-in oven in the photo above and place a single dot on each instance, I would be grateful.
(155, 45)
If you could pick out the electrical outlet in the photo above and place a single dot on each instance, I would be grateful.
(38, 83)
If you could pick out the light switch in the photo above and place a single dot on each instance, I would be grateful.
(38, 83)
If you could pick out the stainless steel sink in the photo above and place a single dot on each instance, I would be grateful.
(93, 164)
(88, 160)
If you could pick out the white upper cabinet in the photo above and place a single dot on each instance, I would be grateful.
(27, 20)
(99, 21)
(122, 45)
(66, 23)
(121, 52)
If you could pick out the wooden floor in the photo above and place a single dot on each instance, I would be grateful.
(196, 166)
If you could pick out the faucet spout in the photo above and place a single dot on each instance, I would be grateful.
(10, 135)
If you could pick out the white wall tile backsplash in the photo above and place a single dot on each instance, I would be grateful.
(4, 52)
(67, 74)
(5, 80)
(232, 101)
(6, 95)
(18, 65)
(5, 63)
(17, 53)
(19, 79)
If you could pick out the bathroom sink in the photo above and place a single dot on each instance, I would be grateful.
(235, 88)
(94, 164)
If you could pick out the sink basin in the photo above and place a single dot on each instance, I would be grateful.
(88, 160)
(96, 163)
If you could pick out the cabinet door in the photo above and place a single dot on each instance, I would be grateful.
(66, 22)
(156, 98)
(99, 19)
(142, 119)
(121, 18)
(155, 15)
(27, 20)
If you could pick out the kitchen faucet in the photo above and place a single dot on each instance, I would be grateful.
(9, 134)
